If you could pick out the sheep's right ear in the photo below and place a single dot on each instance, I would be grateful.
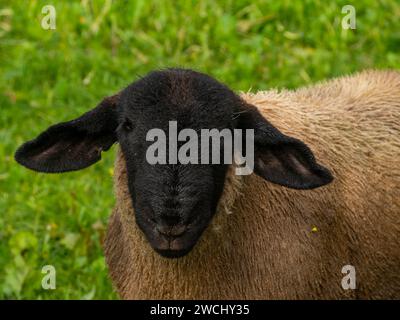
(75, 144)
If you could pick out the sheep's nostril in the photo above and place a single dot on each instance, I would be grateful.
(171, 231)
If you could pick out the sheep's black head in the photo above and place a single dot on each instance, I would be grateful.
(173, 201)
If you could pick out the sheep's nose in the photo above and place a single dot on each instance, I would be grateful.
(169, 220)
(171, 231)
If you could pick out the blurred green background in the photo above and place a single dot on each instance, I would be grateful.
(98, 47)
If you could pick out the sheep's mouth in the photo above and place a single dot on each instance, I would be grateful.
(169, 253)
(177, 242)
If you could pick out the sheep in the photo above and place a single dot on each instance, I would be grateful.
(285, 232)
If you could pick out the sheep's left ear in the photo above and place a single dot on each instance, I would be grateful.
(75, 144)
(282, 159)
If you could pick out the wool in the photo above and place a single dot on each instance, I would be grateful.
(270, 242)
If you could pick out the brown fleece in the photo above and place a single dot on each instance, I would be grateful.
(270, 242)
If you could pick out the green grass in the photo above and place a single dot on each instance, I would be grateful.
(48, 76)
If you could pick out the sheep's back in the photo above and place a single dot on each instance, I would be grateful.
(352, 124)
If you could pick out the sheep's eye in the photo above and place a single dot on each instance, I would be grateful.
(127, 125)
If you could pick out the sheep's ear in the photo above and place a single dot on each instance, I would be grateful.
(282, 159)
(72, 145)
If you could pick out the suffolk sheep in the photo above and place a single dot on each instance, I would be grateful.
(324, 199)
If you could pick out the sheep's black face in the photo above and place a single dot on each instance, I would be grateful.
(173, 201)
(173, 204)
